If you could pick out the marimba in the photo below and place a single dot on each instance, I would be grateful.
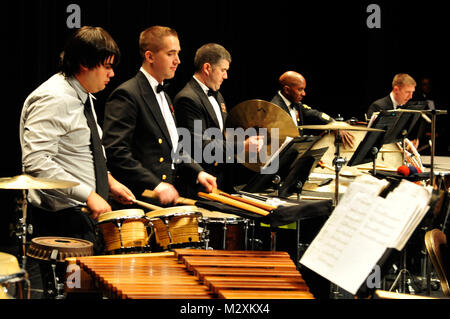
(197, 274)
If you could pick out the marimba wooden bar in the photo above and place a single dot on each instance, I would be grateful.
(197, 273)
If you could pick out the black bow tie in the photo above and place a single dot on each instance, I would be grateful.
(162, 87)
(213, 93)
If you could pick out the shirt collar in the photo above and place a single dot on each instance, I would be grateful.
(153, 82)
(394, 102)
(79, 89)
(202, 85)
(286, 101)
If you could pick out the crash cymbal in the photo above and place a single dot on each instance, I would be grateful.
(339, 125)
(30, 182)
(261, 114)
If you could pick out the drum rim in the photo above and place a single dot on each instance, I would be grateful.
(138, 213)
(19, 276)
(112, 220)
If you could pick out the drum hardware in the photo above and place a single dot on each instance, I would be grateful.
(26, 182)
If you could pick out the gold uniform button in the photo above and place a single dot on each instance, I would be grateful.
(164, 177)
(161, 159)
(160, 140)
(216, 164)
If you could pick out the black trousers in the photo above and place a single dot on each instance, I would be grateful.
(70, 222)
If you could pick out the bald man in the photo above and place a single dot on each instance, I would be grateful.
(289, 98)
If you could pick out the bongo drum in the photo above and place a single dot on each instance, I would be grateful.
(124, 230)
(10, 275)
(51, 253)
(176, 226)
(225, 231)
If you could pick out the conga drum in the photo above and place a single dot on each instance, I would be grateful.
(51, 253)
(10, 275)
(176, 226)
(225, 231)
(124, 230)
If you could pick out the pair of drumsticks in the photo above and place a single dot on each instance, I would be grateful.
(220, 196)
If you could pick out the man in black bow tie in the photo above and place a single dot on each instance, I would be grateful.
(140, 131)
(289, 98)
(200, 105)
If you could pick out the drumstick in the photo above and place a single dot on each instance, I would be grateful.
(180, 200)
(146, 205)
(250, 201)
(235, 203)
(138, 202)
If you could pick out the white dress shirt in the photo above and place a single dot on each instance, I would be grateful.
(292, 111)
(55, 141)
(213, 101)
(165, 110)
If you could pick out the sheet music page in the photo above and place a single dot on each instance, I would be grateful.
(359, 230)
(286, 142)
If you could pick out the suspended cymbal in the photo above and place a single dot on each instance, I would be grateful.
(437, 112)
(261, 114)
(30, 182)
(339, 125)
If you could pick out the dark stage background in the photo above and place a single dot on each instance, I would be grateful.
(347, 64)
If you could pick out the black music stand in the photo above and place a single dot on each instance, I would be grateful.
(289, 156)
(396, 126)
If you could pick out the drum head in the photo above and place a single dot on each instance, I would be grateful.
(42, 248)
(177, 210)
(218, 215)
(120, 214)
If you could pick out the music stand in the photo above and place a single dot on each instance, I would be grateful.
(395, 125)
(290, 154)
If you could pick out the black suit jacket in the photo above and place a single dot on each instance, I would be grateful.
(137, 141)
(383, 104)
(192, 104)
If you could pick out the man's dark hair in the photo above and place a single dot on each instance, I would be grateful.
(210, 53)
(90, 47)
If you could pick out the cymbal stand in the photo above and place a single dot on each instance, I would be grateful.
(338, 163)
(22, 229)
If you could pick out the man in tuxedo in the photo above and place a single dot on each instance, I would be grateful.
(140, 133)
(60, 139)
(200, 103)
(403, 87)
(289, 98)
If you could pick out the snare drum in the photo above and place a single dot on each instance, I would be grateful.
(10, 273)
(124, 230)
(176, 226)
(225, 231)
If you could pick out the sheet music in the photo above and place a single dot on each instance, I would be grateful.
(361, 227)
(282, 147)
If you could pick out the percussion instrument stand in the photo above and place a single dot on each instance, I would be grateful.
(273, 233)
(21, 230)
(58, 287)
(338, 163)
